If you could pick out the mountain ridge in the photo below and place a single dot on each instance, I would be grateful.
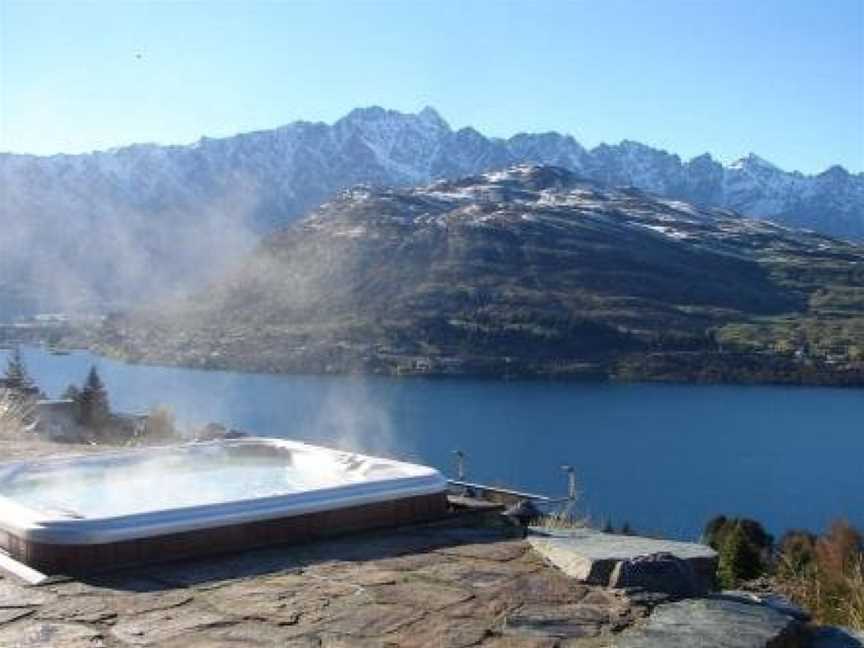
(126, 224)
(433, 114)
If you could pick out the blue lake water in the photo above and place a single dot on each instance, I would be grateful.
(664, 458)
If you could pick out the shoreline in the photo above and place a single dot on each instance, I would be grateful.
(774, 373)
(669, 368)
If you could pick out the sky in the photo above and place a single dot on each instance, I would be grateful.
(782, 78)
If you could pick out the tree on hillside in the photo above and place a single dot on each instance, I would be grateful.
(16, 376)
(93, 406)
(73, 392)
(719, 527)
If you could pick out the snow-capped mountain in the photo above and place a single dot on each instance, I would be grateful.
(106, 225)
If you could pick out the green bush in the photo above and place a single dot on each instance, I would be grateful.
(744, 547)
(740, 560)
(719, 527)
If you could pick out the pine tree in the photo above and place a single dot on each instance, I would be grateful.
(73, 392)
(93, 406)
(715, 531)
(739, 559)
(16, 376)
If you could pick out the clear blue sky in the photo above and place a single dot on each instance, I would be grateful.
(782, 78)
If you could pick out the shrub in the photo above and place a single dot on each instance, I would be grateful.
(796, 552)
(719, 527)
(161, 423)
(825, 574)
(838, 551)
(744, 547)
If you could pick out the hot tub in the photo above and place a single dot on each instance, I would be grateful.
(78, 514)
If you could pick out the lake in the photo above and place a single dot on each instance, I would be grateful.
(664, 458)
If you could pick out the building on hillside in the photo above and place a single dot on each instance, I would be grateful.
(56, 419)
(27, 391)
(129, 425)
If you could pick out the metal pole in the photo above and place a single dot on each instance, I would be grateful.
(460, 465)
(571, 482)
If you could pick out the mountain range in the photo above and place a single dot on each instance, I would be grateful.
(115, 227)
(532, 270)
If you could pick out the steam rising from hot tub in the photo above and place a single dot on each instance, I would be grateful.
(199, 475)
(352, 419)
(351, 414)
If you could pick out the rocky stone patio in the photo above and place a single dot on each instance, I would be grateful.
(415, 587)
(462, 583)
(436, 586)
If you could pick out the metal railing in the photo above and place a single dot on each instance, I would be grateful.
(461, 485)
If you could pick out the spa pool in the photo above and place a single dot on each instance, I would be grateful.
(78, 514)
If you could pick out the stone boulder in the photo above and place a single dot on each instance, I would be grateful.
(592, 556)
(660, 572)
(716, 622)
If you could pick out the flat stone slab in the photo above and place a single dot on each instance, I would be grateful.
(161, 625)
(435, 632)
(12, 614)
(34, 634)
(431, 596)
(14, 595)
(838, 638)
(246, 634)
(559, 621)
(775, 601)
(715, 622)
(591, 556)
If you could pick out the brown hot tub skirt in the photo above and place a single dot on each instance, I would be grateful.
(78, 559)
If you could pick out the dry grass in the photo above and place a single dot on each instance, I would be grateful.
(15, 413)
(561, 520)
(825, 574)
(556, 522)
(854, 611)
